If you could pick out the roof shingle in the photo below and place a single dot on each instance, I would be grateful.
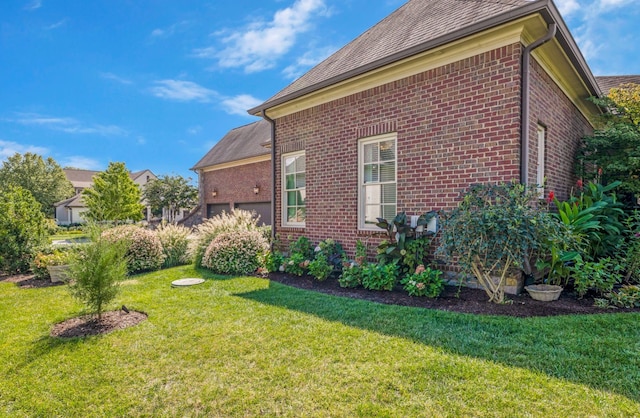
(608, 82)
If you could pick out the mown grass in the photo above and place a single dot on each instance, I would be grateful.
(246, 347)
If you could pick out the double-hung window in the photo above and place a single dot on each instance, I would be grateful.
(293, 189)
(377, 180)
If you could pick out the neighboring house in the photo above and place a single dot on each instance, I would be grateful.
(439, 95)
(236, 172)
(608, 82)
(70, 211)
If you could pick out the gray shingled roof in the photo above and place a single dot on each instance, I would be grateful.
(404, 32)
(607, 82)
(239, 143)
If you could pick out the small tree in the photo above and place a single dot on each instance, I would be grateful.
(22, 229)
(113, 197)
(494, 230)
(172, 193)
(97, 271)
(43, 178)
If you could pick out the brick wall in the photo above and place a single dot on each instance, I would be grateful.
(456, 125)
(235, 185)
(565, 126)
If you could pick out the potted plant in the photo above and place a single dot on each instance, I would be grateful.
(57, 264)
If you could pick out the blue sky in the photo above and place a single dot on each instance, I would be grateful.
(156, 83)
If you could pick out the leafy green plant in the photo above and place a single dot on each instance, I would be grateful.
(303, 247)
(495, 229)
(96, 272)
(425, 281)
(144, 248)
(626, 297)
(351, 275)
(297, 264)
(405, 245)
(235, 252)
(599, 276)
(557, 266)
(175, 244)
(320, 268)
(379, 276)
(57, 257)
(271, 260)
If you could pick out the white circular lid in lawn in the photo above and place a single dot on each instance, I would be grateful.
(186, 282)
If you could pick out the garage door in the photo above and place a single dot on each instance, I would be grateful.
(261, 208)
(213, 210)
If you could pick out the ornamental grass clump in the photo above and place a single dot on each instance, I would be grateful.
(496, 229)
(175, 244)
(238, 220)
(144, 249)
(235, 252)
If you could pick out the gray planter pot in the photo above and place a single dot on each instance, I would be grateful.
(58, 273)
(544, 292)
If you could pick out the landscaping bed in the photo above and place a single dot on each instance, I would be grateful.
(455, 299)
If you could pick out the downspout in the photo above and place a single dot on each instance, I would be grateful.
(524, 104)
(273, 176)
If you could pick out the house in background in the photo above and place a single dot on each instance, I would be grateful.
(236, 172)
(70, 211)
(439, 95)
(608, 82)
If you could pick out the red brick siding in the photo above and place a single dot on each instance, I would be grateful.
(235, 185)
(565, 126)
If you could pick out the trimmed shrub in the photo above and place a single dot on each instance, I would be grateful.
(425, 281)
(235, 252)
(238, 220)
(144, 251)
(175, 244)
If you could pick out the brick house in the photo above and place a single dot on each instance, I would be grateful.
(236, 172)
(423, 104)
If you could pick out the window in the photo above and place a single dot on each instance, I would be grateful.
(293, 189)
(377, 180)
(541, 155)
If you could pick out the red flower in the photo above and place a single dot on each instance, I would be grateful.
(600, 171)
(552, 196)
(579, 184)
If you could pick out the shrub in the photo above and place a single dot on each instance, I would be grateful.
(379, 276)
(424, 282)
(56, 257)
(235, 252)
(238, 220)
(599, 276)
(144, 249)
(351, 275)
(320, 267)
(297, 264)
(626, 297)
(175, 244)
(96, 272)
(271, 260)
(302, 246)
(22, 229)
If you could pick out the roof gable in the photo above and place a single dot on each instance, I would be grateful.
(240, 143)
(608, 82)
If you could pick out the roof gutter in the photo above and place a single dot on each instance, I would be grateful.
(524, 104)
(273, 175)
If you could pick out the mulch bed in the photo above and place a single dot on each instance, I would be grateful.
(468, 300)
(87, 325)
(28, 281)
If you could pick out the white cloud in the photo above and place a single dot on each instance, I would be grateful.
(33, 5)
(239, 105)
(261, 44)
(194, 130)
(306, 61)
(56, 25)
(68, 125)
(9, 148)
(113, 77)
(77, 161)
(615, 3)
(567, 7)
(184, 91)
(166, 32)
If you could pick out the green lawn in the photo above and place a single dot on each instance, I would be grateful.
(247, 347)
(77, 236)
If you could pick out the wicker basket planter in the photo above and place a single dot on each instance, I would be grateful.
(544, 292)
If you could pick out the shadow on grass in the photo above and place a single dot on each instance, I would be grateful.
(601, 351)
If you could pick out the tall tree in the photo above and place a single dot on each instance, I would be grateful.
(114, 196)
(44, 179)
(171, 193)
(612, 152)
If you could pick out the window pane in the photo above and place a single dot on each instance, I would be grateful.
(372, 194)
(291, 198)
(388, 211)
(291, 181)
(372, 213)
(388, 193)
(291, 214)
(371, 153)
(299, 199)
(303, 196)
(302, 214)
(388, 171)
(387, 151)
(301, 164)
(290, 166)
(300, 180)
(371, 173)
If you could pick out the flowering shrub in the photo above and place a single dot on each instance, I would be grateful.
(297, 264)
(235, 252)
(424, 282)
(175, 243)
(351, 275)
(238, 220)
(379, 276)
(144, 250)
(320, 267)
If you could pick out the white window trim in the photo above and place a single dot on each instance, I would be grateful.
(361, 204)
(283, 188)
(540, 167)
